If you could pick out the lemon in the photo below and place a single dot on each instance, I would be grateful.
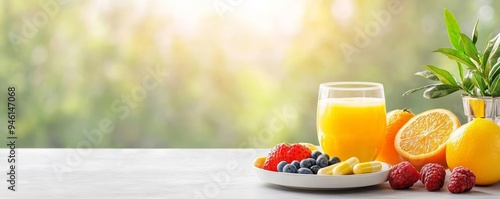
(476, 145)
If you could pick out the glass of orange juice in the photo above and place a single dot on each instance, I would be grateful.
(351, 119)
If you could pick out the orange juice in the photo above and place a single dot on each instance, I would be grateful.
(350, 127)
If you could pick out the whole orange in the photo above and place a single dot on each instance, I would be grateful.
(395, 120)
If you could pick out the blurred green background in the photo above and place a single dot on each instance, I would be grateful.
(212, 73)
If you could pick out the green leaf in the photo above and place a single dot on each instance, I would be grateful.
(467, 82)
(468, 47)
(487, 41)
(428, 74)
(417, 89)
(494, 54)
(474, 33)
(443, 75)
(487, 52)
(457, 56)
(478, 81)
(476, 92)
(460, 71)
(439, 90)
(494, 72)
(453, 29)
(495, 88)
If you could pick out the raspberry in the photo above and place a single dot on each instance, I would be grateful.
(469, 174)
(461, 180)
(287, 153)
(432, 176)
(403, 176)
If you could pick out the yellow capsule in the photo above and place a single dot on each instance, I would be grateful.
(327, 170)
(345, 167)
(367, 167)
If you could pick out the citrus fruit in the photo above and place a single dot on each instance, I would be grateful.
(395, 120)
(259, 162)
(311, 147)
(476, 146)
(423, 139)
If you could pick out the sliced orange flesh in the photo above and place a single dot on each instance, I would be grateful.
(423, 138)
(426, 134)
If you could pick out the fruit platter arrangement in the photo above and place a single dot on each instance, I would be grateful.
(302, 165)
(469, 151)
(360, 144)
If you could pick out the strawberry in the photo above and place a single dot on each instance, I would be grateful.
(297, 152)
(285, 152)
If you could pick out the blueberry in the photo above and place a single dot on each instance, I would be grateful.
(322, 161)
(305, 171)
(325, 155)
(296, 164)
(281, 165)
(307, 163)
(313, 161)
(334, 160)
(315, 154)
(315, 169)
(290, 168)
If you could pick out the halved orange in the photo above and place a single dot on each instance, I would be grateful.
(423, 138)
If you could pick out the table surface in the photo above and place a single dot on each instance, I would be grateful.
(172, 173)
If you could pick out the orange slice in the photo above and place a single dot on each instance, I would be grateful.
(259, 162)
(311, 147)
(423, 138)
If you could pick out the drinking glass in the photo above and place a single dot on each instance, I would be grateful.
(351, 119)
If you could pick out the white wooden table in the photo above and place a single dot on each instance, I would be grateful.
(171, 173)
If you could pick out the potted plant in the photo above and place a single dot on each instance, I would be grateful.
(479, 72)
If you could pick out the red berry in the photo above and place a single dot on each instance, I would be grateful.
(461, 180)
(403, 176)
(432, 176)
(285, 152)
(276, 155)
(297, 152)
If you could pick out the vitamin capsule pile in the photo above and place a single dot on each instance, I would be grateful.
(351, 166)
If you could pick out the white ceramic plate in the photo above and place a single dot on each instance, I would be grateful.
(307, 181)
